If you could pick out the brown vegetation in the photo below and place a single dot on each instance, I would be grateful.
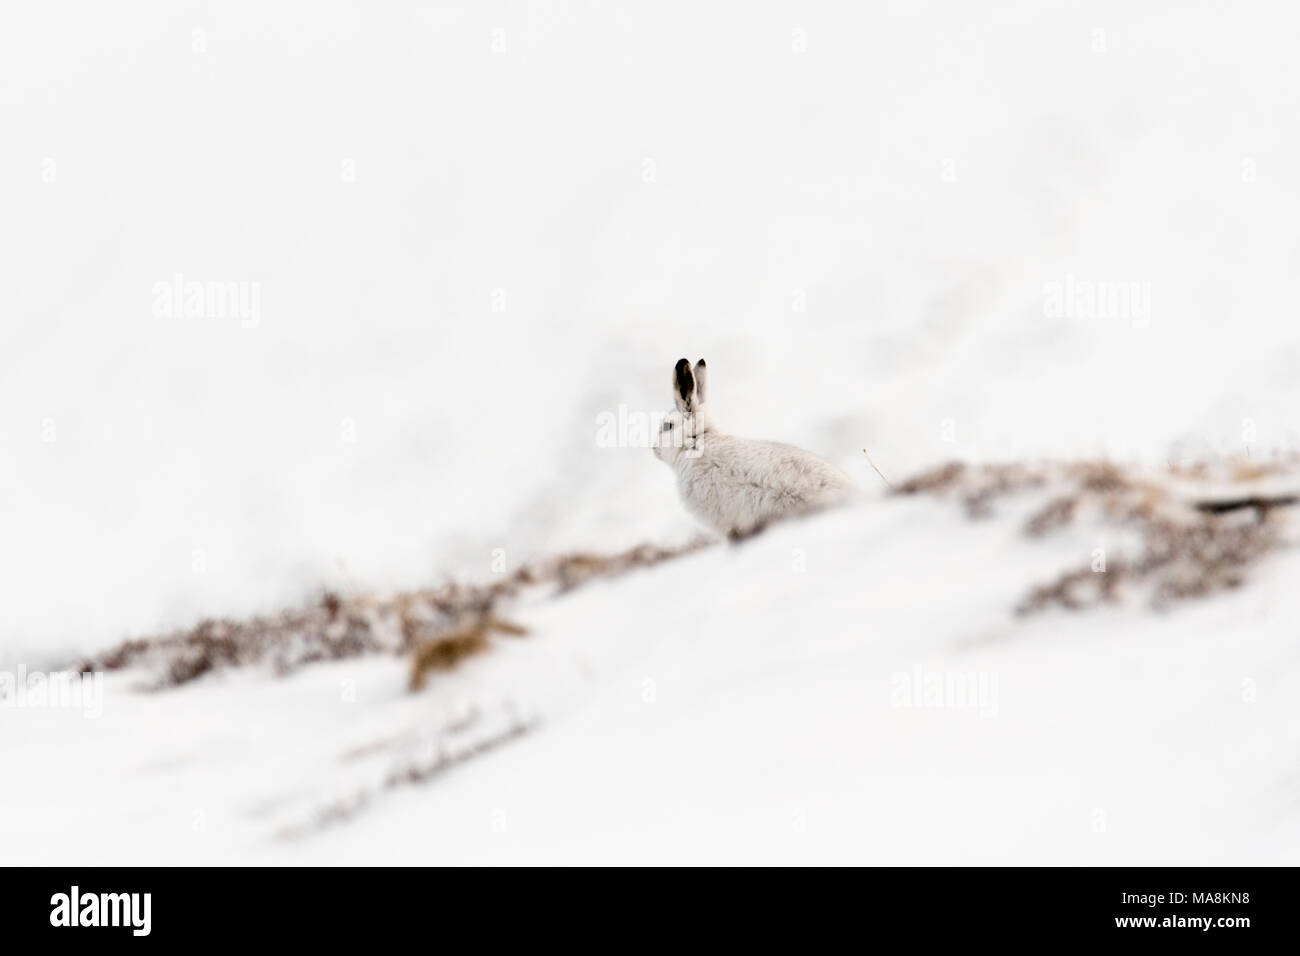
(439, 626)
(1190, 546)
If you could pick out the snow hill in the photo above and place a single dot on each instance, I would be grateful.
(856, 687)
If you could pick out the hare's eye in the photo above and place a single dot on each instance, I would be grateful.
(668, 426)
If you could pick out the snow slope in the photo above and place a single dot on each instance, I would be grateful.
(743, 704)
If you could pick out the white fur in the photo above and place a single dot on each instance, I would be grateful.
(739, 485)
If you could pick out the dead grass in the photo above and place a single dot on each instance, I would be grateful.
(1238, 468)
(1188, 547)
(422, 772)
(444, 652)
(439, 627)
(979, 486)
(410, 774)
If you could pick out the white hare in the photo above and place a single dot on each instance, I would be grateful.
(737, 485)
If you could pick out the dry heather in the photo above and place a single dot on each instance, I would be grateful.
(1191, 544)
(443, 761)
(444, 651)
(439, 627)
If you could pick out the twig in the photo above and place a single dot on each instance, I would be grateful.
(1258, 502)
(878, 471)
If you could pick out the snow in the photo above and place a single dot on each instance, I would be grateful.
(466, 256)
(742, 704)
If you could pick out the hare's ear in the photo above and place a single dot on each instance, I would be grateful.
(701, 376)
(684, 386)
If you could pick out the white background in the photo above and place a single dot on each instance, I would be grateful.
(852, 210)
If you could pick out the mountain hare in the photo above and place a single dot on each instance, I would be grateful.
(737, 485)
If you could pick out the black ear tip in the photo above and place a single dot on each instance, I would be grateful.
(684, 379)
(700, 363)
